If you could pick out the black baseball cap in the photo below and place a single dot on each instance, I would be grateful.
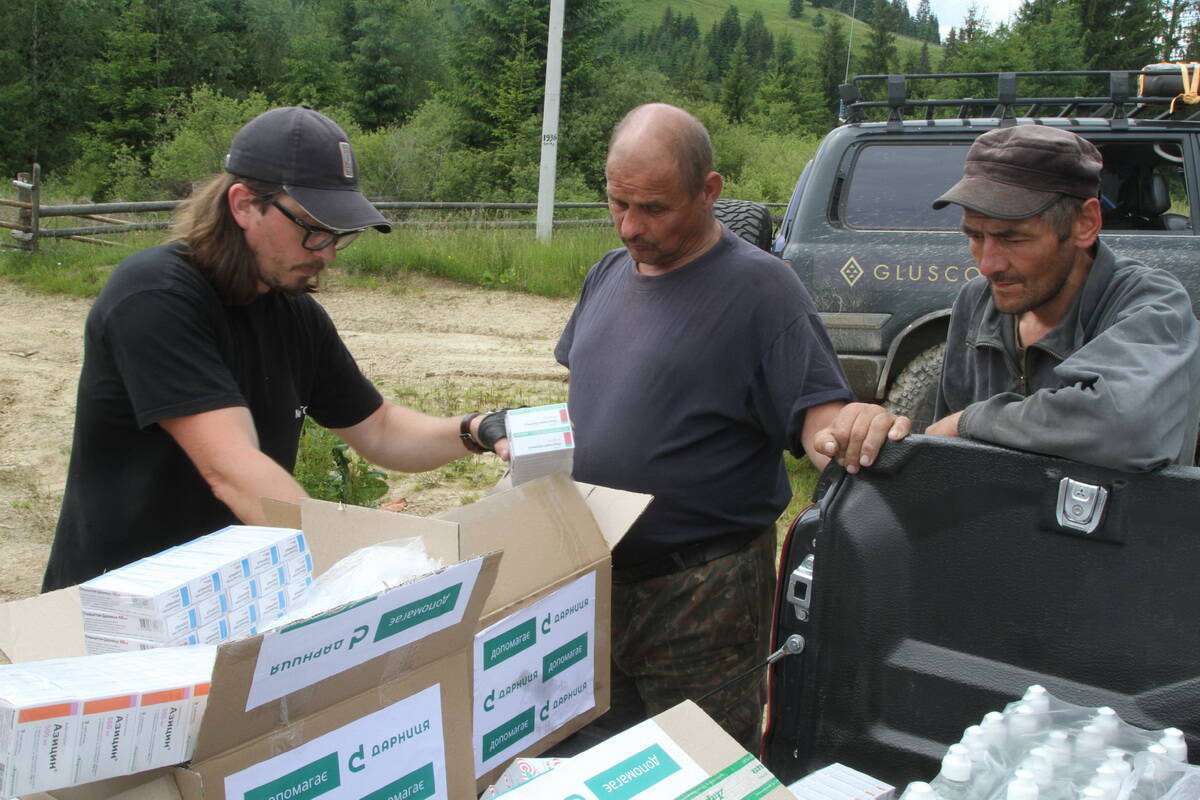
(1019, 171)
(309, 155)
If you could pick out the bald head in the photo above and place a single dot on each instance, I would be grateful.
(658, 132)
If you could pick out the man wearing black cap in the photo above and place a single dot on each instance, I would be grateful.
(203, 356)
(1061, 347)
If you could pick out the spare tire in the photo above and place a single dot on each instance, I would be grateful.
(751, 221)
(914, 391)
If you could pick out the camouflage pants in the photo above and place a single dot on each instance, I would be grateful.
(677, 637)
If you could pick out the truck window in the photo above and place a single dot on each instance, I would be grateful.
(891, 186)
(1143, 187)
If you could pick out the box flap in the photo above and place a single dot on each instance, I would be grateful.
(273, 679)
(615, 510)
(25, 634)
(156, 784)
(544, 528)
(334, 531)
(280, 514)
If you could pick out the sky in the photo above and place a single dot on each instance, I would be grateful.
(951, 13)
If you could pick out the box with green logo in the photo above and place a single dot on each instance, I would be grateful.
(541, 656)
(368, 700)
(681, 754)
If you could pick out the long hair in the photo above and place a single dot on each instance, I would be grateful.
(215, 242)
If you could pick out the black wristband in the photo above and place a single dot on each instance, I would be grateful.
(492, 428)
(464, 433)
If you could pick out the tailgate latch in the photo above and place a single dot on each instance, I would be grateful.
(799, 588)
(1080, 505)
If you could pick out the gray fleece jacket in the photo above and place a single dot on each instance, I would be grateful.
(1116, 383)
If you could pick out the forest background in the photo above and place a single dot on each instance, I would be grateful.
(137, 99)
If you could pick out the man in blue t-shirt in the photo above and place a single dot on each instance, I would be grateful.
(696, 359)
(202, 357)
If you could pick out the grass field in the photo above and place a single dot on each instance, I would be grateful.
(645, 14)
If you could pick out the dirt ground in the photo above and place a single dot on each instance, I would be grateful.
(427, 333)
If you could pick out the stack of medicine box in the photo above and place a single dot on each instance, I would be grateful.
(75, 720)
(222, 586)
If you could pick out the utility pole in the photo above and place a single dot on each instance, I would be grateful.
(546, 175)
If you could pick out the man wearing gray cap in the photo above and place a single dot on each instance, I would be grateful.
(203, 356)
(1060, 346)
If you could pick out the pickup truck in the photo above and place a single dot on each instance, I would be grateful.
(884, 267)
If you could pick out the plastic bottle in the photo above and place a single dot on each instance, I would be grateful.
(1173, 742)
(1039, 763)
(954, 780)
(1092, 793)
(1059, 745)
(995, 731)
(1038, 698)
(1023, 720)
(1089, 744)
(1115, 758)
(1022, 787)
(1108, 780)
(919, 790)
(975, 740)
(1108, 722)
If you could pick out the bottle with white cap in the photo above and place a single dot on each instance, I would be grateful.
(1155, 773)
(1107, 779)
(975, 740)
(995, 731)
(1022, 787)
(1173, 742)
(1038, 698)
(1115, 758)
(919, 790)
(1040, 765)
(1023, 720)
(954, 780)
(1059, 745)
(1108, 722)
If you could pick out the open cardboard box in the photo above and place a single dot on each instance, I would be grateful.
(552, 586)
(681, 753)
(541, 667)
(367, 698)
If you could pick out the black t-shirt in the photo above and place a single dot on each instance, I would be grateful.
(690, 385)
(159, 344)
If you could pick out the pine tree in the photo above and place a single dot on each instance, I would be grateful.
(830, 63)
(881, 47)
(724, 37)
(796, 9)
(759, 43)
(737, 88)
(819, 20)
(1118, 34)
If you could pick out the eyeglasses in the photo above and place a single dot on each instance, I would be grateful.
(316, 237)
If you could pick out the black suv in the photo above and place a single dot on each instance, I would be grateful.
(884, 267)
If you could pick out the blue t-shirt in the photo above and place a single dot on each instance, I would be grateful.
(690, 385)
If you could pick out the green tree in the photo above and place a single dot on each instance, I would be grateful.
(737, 88)
(830, 63)
(1118, 34)
(723, 39)
(759, 43)
(394, 58)
(881, 47)
(796, 9)
(819, 21)
(45, 102)
(129, 82)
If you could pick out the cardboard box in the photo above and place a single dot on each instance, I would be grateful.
(381, 687)
(541, 669)
(556, 536)
(680, 754)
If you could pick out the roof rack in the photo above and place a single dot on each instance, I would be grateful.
(1122, 101)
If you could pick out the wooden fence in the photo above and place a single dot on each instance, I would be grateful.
(28, 229)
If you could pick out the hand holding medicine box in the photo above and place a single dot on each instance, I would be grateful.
(540, 442)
